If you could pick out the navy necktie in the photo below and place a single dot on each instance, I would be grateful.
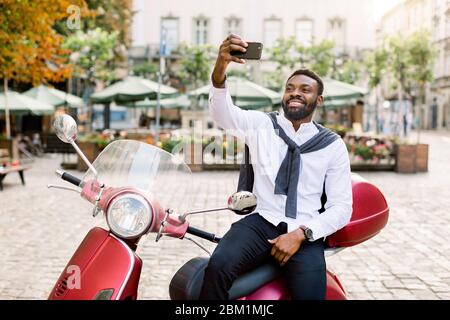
(286, 182)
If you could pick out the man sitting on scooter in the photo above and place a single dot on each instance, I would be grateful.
(294, 160)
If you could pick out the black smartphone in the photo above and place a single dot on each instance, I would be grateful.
(253, 52)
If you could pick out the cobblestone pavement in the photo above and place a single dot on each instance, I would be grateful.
(409, 259)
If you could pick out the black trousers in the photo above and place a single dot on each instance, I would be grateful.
(245, 247)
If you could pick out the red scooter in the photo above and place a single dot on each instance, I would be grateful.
(131, 184)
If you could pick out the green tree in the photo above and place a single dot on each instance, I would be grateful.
(289, 55)
(109, 15)
(422, 57)
(284, 53)
(321, 57)
(376, 66)
(92, 55)
(240, 73)
(408, 61)
(147, 70)
(274, 80)
(349, 72)
(195, 65)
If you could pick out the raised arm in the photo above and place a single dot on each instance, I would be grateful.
(228, 116)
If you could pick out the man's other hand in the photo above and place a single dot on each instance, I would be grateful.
(286, 245)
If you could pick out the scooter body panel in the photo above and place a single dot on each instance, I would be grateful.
(103, 267)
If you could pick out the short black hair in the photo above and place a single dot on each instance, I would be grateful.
(311, 74)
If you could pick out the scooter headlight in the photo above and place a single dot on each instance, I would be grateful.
(129, 216)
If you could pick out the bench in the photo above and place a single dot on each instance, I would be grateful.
(5, 170)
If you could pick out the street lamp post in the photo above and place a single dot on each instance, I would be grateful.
(162, 67)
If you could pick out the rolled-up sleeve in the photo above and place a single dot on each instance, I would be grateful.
(338, 188)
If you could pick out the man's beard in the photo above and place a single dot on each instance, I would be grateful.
(299, 113)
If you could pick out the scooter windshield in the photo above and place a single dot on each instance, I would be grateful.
(155, 172)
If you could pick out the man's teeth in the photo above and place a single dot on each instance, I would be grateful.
(295, 104)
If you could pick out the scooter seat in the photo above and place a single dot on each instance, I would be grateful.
(186, 283)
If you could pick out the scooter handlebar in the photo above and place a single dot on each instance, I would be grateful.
(202, 234)
(69, 178)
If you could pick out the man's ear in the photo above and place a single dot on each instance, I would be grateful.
(319, 101)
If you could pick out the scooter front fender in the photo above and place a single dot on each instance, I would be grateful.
(103, 267)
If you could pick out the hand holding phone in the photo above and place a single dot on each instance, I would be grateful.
(233, 49)
(253, 52)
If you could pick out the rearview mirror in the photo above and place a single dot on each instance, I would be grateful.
(242, 202)
(65, 128)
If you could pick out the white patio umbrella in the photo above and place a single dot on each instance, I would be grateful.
(54, 96)
(15, 102)
(20, 103)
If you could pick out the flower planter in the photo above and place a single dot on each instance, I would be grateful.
(421, 157)
(90, 150)
(405, 158)
(411, 158)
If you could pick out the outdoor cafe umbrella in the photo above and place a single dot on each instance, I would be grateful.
(19, 103)
(168, 103)
(54, 96)
(245, 94)
(338, 90)
(132, 89)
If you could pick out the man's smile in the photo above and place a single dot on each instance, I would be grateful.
(295, 103)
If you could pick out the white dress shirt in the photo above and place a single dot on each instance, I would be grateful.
(268, 150)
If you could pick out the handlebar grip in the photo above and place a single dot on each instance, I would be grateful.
(202, 234)
(72, 179)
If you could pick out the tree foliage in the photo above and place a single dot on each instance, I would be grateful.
(92, 53)
(289, 55)
(194, 65)
(148, 70)
(376, 65)
(405, 63)
(422, 58)
(320, 57)
(30, 49)
(349, 72)
(408, 60)
(112, 16)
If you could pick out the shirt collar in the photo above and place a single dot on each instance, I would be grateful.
(305, 128)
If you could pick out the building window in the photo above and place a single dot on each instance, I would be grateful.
(170, 27)
(201, 26)
(233, 25)
(336, 33)
(304, 31)
(272, 31)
